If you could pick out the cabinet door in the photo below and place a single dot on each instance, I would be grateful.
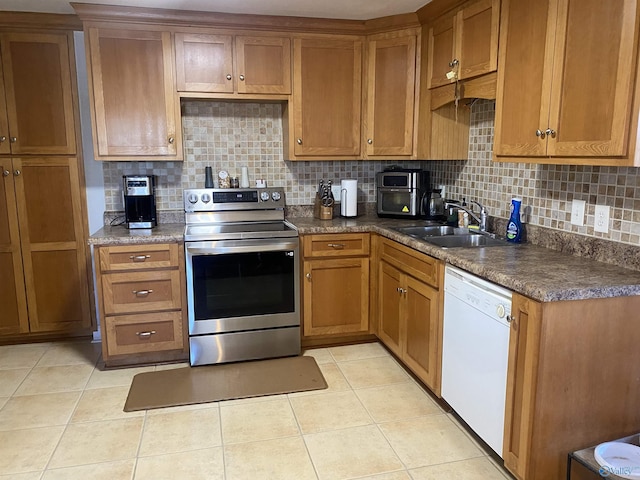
(264, 64)
(524, 348)
(53, 243)
(477, 38)
(593, 77)
(204, 63)
(420, 308)
(389, 297)
(524, 77)
(391, 96)
(12, 294)
(37, 76)
(327, 96)
(136, 107)
(441, 51)
(5, 147)
(336, 296)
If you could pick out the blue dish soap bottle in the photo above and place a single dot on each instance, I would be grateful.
(514, 227)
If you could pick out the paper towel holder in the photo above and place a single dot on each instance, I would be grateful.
(349, 198)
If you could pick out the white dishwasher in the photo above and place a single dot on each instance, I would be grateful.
(475, 350)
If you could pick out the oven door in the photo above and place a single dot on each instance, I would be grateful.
(242, 285)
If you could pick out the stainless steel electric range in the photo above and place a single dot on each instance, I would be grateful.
(243, 284)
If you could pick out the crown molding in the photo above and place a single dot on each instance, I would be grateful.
(49, 21)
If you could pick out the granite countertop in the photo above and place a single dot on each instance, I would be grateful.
(120, 235)
(540, 273)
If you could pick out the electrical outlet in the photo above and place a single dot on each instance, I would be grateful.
(601, 223)
(577, 212)
(335, 189)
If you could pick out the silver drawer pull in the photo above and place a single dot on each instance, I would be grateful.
(146, 334)
(142, 293)
(139, 258)
(338, 246)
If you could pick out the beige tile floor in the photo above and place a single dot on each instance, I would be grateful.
(61, 418)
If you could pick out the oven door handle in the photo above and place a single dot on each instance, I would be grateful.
(242, 246)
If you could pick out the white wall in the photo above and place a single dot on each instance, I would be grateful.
(92, 169)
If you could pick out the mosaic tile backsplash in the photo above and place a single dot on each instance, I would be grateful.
(227, 135)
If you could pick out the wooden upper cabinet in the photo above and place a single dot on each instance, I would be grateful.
(5, 146)
(465, 41)
(391, 96)
(228, 64)
(204, 63)
(572, 96)
(136, 110)
(37, 117)
(263, 64)
(441, 50)
(327, 94)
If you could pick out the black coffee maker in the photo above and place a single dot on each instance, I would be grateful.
(139, 201)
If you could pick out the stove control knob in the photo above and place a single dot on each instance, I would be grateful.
(275, 196)
(193, 198)
(264, 196)
(206, 198)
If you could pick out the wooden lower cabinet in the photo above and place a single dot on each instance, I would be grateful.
(141, 297)
(409, 309)
(335, 284)
(572, 381)
(44, 286)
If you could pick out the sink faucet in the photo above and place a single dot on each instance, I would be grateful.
(481, 220)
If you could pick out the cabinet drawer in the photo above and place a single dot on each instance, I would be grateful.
(141, 291)
(336, 245)
(412, 262)
(138, 257)
(144, 333)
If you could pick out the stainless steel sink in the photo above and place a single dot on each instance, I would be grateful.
(451, 237)
(472, 240)
(432, 231)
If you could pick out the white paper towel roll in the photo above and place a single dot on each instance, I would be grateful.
(349, 198)
(244, 177)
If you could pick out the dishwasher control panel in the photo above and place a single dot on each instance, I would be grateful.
(492, 300)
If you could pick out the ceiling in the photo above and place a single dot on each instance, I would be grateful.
(346, 9)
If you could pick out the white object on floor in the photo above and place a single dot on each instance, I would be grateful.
(618, 458)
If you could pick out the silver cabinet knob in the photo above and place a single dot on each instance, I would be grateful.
(299, 141)
(5, 173)
(540, 133)
(454, 62)
(13, 139)
(511, 318)
(370, 141)
(550, 132)
(242, 77)
(228, 76)
(3, 139)
(17, 173)
(308, 275)
(171, 140)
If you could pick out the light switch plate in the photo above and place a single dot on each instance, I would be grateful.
(577, 212)
(601, 223)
